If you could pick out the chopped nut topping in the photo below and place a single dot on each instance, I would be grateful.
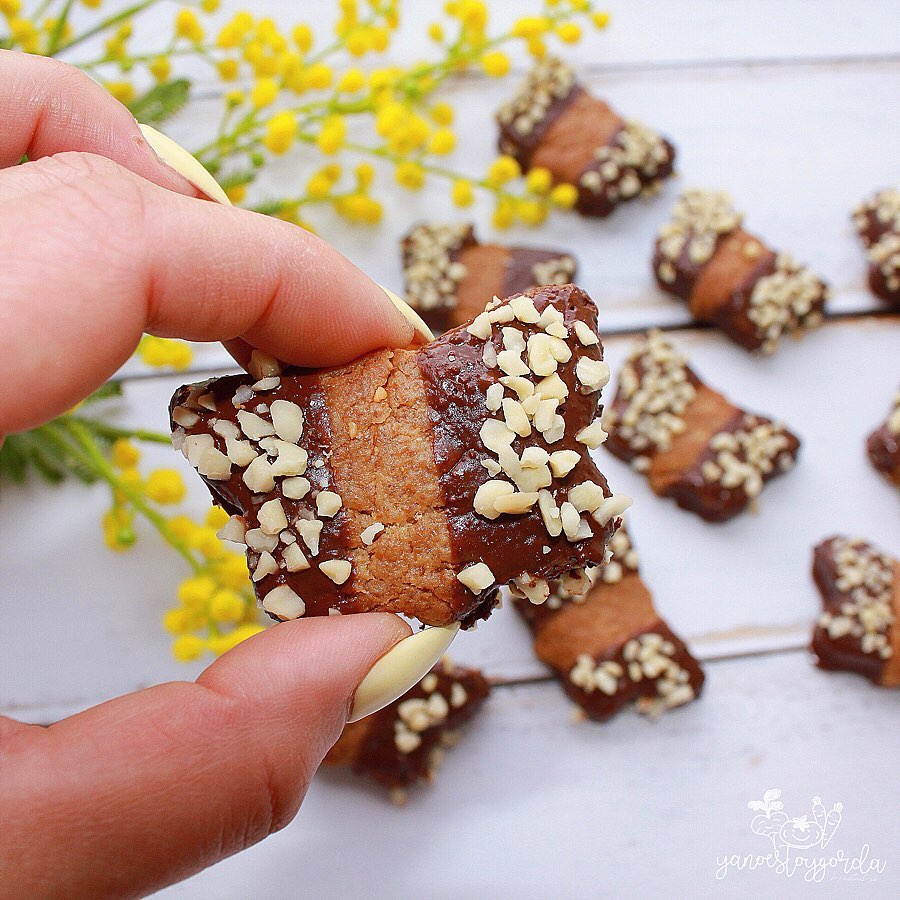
(338, 570)
(259, 475)
(866, 578)
(257, 539)
(432, 273)
(584, 334)
(592, 435)
(535, 589)
(559, 270)
(549, 80)
(262, 365)
(610, 507)
(181, 415)
(265, 566)
(266, 384)
(476, 578)
(368, 535)
(563, 461)
(328, 503)
(294, 558)
(271, 517)
(295, 488)
(310, 530)
(698, 220)
(284, 603)
(656, 388)
(254, 426)
(592, 373)
(287, 419)
(233, 530)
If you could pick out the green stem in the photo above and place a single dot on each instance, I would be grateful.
(59, 27)
(104, 429)
(108, 22)
(78, 440)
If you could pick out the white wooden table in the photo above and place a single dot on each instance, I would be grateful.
(791, 106)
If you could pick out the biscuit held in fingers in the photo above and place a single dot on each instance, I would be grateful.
(877, 222)
(554, 123)
(607, 644)
(415, 481)
(403, 744)
(883, 445)
(730, 278)
(694, 446)
(450, 274)
(857, 630)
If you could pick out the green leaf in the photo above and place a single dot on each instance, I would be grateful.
(13, 461)
(161, 102)
(110, 389)
(235, 179)
(270, 207)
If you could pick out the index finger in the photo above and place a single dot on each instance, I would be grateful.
(48, 107)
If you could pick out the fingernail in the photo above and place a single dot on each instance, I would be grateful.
(183, 163)
(422, 330)
(402, 667)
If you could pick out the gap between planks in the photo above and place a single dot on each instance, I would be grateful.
(81, 703)
(724, 67)
(830, 319)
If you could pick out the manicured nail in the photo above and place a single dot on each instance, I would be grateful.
(183, 163)
(402, 667)
(422, 330)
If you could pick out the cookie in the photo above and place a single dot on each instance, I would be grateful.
(449, 274)
(403, 744)
(694, 446)
(606, 642)
(732, 279)
(554, 123)
(860, 588)
(415, 481)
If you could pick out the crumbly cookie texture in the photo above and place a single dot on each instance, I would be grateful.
(403, 744)
(877, 221)
(730, 278)
(857, 630)
(883, 445)
(448, 272)
(554, 123)
(694, 446)
(606, 642)
(415, 481)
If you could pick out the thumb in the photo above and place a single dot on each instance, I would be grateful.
(174, 778)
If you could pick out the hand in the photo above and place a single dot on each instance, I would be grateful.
(100, 241)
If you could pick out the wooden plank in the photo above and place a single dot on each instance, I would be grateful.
(529, 805)
(642, 32)
(796, 148)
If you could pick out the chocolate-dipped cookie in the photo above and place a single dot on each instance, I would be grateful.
(877, 222)
(403, 744)
(554, 123)
(730, 278)
(415, 481)
(857, 631)
(694, 446)
(883, 445)
(450, 275)
(607, 644)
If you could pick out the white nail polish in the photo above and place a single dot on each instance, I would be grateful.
(183, 163)
(402, 667)
(422, 330)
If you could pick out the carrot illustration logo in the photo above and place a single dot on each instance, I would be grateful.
(797, 842)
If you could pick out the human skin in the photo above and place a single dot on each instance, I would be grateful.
(100, 242)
